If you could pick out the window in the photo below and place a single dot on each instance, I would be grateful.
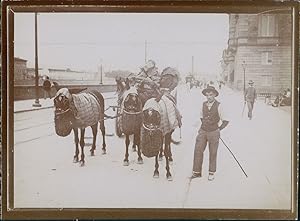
(266, 80)
(267, 26)
(266, 57)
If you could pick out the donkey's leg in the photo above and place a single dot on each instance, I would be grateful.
(127, 141)
(161, 152)
(94, 130)
(169, 176)
(137, 141)
(156, 173)
(82, 131)
(102, 128)
(134, 143)
(134, 147)
(168, 141)
(76, 139)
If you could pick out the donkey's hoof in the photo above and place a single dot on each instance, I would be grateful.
(140, 161)
(126, 163)
(92, 153)
(75, 160)
(82, 163)
(103, 151)
(156, 175)
(170, 178)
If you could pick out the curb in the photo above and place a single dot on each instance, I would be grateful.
(21, 111)
(28, 110)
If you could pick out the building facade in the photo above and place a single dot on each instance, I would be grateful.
(259, 49)
(20, 69)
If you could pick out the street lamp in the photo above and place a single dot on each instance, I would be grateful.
(244, 68)
(101, 81)
(36, 103)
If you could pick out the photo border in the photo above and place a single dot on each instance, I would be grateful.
(10, 7)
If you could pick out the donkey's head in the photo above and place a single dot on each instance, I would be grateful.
(63, 115)
(62, 99)
(132, 103)
(151, 118)
(151, 114)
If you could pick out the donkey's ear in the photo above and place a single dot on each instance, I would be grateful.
(76, 90)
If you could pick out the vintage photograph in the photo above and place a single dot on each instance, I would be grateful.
(153, 110)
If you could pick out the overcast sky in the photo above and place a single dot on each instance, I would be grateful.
(82, 41)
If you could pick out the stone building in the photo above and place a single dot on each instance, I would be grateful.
(20, 69)
(260, 45)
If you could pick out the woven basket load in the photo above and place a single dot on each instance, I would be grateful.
(131, 122)
(62, 122)
(169, 78)
(86, 109)
(151, 142)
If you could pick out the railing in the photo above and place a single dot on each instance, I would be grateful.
(28, 91)
(267, 96)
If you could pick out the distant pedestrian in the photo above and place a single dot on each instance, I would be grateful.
(250, 97)
(211, 114)
(47, 87)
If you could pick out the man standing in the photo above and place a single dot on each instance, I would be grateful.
(250, 97)
(47, 87)
(211, 114)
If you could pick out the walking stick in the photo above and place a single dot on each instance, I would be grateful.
(187, 191)
(244, 108)
(234, 156)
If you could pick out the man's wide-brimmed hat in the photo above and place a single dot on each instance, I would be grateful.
(251, 82)
(209, 89)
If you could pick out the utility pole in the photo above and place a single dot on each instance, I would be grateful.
(100, 70)
(193, 65)
(36, 103)
(101, 74)
(145, 51)
(244, 68)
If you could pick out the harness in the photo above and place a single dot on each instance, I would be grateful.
(63, 112)
(132, 113)
(151, 129)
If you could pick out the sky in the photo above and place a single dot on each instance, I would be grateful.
(83, 41)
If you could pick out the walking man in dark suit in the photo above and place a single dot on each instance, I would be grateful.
(47, 87)
(250, 97)
(211, 114)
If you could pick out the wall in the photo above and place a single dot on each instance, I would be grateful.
(247, 45)
(20, 70)
(28, 92)
(279, 71)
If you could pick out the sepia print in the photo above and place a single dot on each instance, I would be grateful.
(121, 110)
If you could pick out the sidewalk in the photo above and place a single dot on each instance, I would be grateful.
(26, 105)
(261, 145)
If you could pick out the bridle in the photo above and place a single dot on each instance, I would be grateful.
(131, 113)
(62, 112)
(150, 129)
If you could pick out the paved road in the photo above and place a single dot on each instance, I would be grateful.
(45, 175)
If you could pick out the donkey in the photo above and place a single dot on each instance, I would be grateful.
(131, 119)
(73, 111)
(160, 118)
